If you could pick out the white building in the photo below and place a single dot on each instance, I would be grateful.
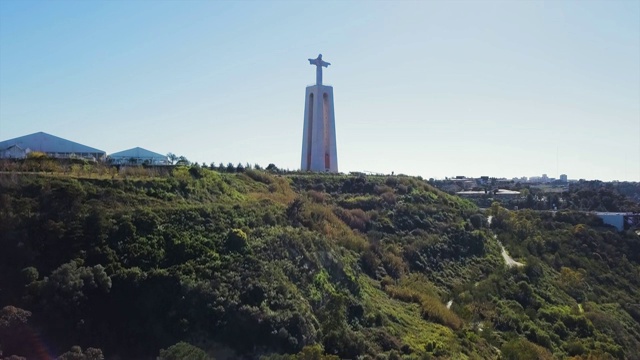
(136, 156)
(498, 193)
(14, 152)
(51, 145)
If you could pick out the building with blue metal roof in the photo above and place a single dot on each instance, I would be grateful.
(51, 145)
(138, 155)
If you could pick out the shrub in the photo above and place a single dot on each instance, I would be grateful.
(356, 219)
(521, 349)
(434, 310)
(236, 241)
(183, 351)
(431, 307)
(317, 196)
(76, 354)
(370, 262)
(389, 198)
(394, 265)
(260, 176)
(478, 221)
(574, 348)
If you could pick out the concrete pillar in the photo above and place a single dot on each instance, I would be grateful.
(319, 133)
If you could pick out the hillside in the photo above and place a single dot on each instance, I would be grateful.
(255, 264)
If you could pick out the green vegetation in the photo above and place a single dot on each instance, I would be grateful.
(183, 350)
(201, 264)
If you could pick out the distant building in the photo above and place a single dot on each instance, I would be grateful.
(620, 220)
(498, 193)
(14, 152)
(138, 156)
(563, 178)
(502, 182)
(463, 183)
(51, 145)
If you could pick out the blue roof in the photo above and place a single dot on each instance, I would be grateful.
(48, 143)
(138, 153)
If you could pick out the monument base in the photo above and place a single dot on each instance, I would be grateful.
(319, 133)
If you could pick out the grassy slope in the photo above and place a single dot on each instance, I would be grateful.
(263, 263)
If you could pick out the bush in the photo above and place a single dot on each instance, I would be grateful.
(521, 349)
(356, 218)
(431, 307)
(318, 196)
(236, 241)
(76, 354)
(478, 221)
(183, 351)
(434, 310)
(574, 348)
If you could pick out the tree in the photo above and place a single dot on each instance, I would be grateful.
(14, 331)
(572, 282)
(64, 295)
(196, 172)
(183, 351)
(183, 161)
(478, 221)
(314, 352)
(501, 216)
(530, 203)
(172, 158)
(76, 354)
(295, 212)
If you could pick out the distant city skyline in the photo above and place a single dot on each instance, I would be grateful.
(434, 89)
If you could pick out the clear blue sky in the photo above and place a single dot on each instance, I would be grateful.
(430, 88)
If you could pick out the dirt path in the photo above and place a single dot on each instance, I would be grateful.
(505, 255)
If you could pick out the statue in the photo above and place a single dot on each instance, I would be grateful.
(319, 63)
(319, 149)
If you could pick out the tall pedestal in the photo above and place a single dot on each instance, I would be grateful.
(319, 134)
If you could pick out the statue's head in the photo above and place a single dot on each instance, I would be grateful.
(320, 56)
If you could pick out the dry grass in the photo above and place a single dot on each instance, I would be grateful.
(431, 307)
(326, 222)
(404, 320)
(276, 188)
